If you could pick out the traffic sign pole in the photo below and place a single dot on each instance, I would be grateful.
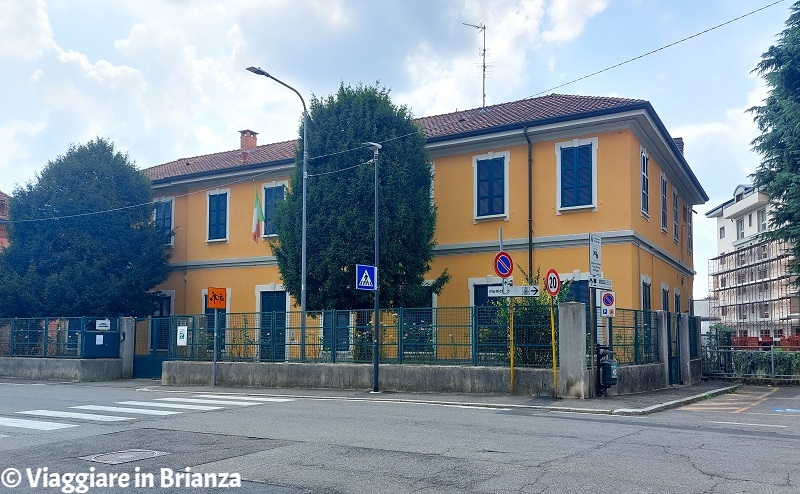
(511, 339)
(553, 347)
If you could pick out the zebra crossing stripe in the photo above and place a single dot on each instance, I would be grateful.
(33, 424)
(210, 402)
(75, 415)
(202, 408)
(141, 411)
(264, 399)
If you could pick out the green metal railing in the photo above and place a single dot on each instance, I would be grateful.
(447, 336)
(633, 335)
(723, 358)
(58, 337)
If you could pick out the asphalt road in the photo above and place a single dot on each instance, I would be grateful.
(743, 442)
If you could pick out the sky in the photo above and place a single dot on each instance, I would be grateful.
(166, 79)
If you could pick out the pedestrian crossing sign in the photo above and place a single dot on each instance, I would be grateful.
(366, 277)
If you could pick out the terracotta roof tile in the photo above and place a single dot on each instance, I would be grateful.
(223, 160)
(439, 126)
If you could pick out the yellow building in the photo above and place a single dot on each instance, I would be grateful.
(548, 171)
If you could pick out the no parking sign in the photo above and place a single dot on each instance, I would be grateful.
(608, 306)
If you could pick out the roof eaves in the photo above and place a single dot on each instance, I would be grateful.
(220, 172)
(537, 122)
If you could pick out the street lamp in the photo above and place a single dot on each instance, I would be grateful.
(377, 336)
(260, 71)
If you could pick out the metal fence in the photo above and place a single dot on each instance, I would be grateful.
(445, 336)
(633, 335)
(724, 357)
(61, 337)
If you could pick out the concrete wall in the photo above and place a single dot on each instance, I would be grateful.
(573, 381)
(393, 377)
(61, 369)
(638, 379)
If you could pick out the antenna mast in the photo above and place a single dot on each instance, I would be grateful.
(481, 27)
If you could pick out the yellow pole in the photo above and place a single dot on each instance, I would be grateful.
(511, 338)
(553, 346)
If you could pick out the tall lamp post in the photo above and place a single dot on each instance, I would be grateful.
(376, 338)
(260, 71)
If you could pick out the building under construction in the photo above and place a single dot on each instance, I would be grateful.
(750, 285)
(751, 292)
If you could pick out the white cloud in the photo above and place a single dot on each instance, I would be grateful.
(721, 156)
(567, 18)
(25, 32)
(16, 140)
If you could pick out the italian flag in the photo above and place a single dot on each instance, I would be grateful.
(258, 217)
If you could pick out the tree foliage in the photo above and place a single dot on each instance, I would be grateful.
(778, 119)
(82, 239)
(340, 204)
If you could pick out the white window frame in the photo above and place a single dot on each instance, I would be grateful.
(506, 155)
(675, 215)
(664, 205)
(645, 280)
(761, 219)
(575, 143)
(644, 170)
(722, 232)
(740, 228)
(227, 193)
(264, 186)
(433, 177)
(171, 199)
(689, 229)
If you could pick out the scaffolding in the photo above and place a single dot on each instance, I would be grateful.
(752, 292)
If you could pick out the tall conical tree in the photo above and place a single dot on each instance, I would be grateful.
(778, 119)
(340, 205)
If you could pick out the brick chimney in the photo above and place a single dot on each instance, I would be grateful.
(248, 139)
(679, 143)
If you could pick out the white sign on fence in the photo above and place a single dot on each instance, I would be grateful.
(182, 337)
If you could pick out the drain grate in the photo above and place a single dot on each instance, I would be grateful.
(125, 456)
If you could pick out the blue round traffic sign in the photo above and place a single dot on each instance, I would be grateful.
(608, 299)
(503, 265)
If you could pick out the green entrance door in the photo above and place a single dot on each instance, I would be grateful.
(273, 326)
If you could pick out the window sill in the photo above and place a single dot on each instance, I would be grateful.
(490, 217)
(578, 209)
(216, 241)
(645, 215)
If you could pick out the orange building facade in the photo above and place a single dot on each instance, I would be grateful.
(547, 171)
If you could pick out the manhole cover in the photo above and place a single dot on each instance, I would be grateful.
(126, 456)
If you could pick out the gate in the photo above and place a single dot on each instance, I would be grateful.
(151, 346)
(674, 347)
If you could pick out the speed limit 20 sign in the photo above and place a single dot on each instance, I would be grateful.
(552, 283)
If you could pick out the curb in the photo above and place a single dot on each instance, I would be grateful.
(676, 403)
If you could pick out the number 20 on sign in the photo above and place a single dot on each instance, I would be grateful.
(552, 283)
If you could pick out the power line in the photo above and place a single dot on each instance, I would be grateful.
(253, 177)
(656, 50)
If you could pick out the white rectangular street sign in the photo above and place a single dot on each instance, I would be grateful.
(496, 291)
(594, 254)
(514, 291)
(598, 282)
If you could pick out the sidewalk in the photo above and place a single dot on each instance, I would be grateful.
(638, 404)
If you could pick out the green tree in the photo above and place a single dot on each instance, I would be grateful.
(778, 119)
(340, 204)
(82, 239)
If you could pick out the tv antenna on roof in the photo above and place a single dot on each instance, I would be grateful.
(482, 51)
